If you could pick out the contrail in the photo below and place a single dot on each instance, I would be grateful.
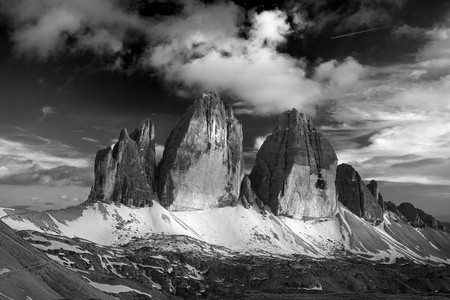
(359, 32)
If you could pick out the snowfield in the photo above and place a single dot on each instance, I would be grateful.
(243, 230)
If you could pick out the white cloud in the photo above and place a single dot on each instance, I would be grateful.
(344, 75)
(270, 27)
(249, 69)
(159, 150)
(259, 141)
(89, 139)
(436, 54)
(42, 161)
(205, 46)
(42, 26)
(398, 116)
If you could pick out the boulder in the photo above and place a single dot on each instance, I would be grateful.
(295, 169)
(125, 173)
(356, 196)
(202, 164)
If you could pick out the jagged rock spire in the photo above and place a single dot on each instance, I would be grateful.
(202, 164)
(126, 173)
(356, 196)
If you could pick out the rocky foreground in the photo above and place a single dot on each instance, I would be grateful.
(206, 271)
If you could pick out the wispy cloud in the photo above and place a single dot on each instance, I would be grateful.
(27, 159)
(46, 111)
(90, 140)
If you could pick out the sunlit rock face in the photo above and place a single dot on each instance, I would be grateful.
(126, 173)
(202, 164)
(295, 169)
(356, 196)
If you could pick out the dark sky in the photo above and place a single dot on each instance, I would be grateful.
(73, 72)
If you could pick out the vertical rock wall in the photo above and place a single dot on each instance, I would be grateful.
(202, 164)
(295, 169)
(126, 173)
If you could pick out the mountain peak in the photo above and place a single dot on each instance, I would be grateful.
(357, 196)
(126, 173)
(295, 169)
(202, 164)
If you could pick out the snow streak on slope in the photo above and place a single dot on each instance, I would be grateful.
(391, 240)
(245, 231)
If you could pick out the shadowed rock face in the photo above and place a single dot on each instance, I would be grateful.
(415, 216)
(393, 208)
(409, 211)
(295, 169)
(126, 173)
(202, 165)
(375, 190)
(418, 218)
(356, 196)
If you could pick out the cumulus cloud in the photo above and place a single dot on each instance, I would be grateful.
(42, 27)
(346, 74)
(251, 69)
(217, 46)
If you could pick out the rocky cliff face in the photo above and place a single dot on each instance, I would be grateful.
(410, 213)
(202, 165)
(126, 173)
(418, 218)
(356, 196)
(295, 169)
(375, 190)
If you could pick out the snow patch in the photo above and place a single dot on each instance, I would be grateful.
(114, 289)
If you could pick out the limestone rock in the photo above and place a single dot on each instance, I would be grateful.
(390, 206)
(126, 173)
(356, 196)
(375, 190)
(248, 196)
(202, 164)
(410, 212)
(427, 219)
(418, 218)
(295, 168)
(381, 202)
(247, 191)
